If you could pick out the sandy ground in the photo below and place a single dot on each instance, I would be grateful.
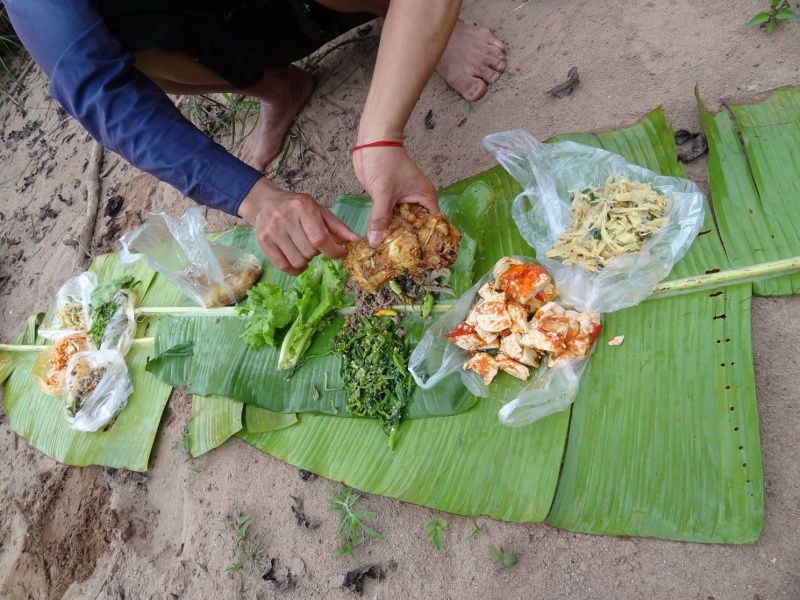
(97, 534)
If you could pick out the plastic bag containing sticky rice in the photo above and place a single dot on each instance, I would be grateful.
(211, 275)
(550, 174)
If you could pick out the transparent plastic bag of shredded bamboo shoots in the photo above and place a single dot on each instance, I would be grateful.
(549, 173)
(96, 388)
(72, 311)
(550, 388)
(179, 249)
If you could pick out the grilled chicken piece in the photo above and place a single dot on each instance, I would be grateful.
(465, 337)
(416, 242)
(492, 315)
(512, 367)
(484, 365)
(511, 347)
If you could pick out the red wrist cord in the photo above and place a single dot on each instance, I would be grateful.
(377, 144)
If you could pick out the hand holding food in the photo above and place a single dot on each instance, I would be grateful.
(292, 228)
(416, 243)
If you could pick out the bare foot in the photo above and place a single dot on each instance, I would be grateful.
(474, 59)
(283, 95)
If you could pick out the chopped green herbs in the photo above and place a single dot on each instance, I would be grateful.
(374, 370)
(104, 305)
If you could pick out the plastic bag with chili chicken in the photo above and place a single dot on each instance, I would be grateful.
(550, 385)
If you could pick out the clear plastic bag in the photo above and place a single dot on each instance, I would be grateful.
(121, 327)
(548, 173)
(96, 388)
(179, 249)
(72, 312)
(550, 389)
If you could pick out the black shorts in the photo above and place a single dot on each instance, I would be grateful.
(235, 38)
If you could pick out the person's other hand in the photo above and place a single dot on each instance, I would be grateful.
(292, 228)
(390, 177)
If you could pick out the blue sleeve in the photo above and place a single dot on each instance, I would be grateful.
(93, 78)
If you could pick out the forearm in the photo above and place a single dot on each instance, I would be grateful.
(414, 37)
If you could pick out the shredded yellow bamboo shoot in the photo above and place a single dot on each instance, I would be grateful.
(610, 222)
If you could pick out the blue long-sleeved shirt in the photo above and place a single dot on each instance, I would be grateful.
(93, 78)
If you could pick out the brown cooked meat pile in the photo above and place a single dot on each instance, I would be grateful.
(416, 243)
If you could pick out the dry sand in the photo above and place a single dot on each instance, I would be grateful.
(97, 534)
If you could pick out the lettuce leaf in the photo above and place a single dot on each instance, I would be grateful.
(267, 309)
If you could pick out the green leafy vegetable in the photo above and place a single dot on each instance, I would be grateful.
(104, 305)
(374, 370)
(267, 309)
(320, 291)
(502, 559)
(779, 10)
(352, 530)
(178, 350)
(435, 530)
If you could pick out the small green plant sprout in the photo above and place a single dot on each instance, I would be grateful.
(249, 556)
(476, 529)
(352, 530)
(779, 10)
(502, 559)
(249, 552)
(183, 444)
(240, 523)
(434, 529)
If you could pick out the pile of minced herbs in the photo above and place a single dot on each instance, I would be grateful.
(374, 370)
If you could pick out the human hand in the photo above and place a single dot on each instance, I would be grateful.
(292, 228)
(390, 177)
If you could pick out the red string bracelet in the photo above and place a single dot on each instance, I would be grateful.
(378, 144)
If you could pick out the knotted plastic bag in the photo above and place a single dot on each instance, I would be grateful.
(96, 388)
(179, 249)
(549, 389)
(549, 173)
(72, 312)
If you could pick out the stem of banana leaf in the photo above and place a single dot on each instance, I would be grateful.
(668, 288)
(41, 347)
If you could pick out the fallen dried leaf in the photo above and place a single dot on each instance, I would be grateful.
(565, 89)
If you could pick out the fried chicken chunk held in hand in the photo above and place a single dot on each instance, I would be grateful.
(416, 242)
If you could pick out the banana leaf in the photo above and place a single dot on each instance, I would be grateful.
(664, 439)
(469, 464)
(222, 364)
(755, 186)
(125, 444)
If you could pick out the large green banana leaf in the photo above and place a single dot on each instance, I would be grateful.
(480, 467)
(755, 188)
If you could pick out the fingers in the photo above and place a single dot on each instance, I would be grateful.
(379, 218)
(320, 237)
(278, 258)
(338, 228)
(296, 250)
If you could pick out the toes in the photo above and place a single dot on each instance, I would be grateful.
(495, 62)
(494, 42)
(488, 74)
(476, 90)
